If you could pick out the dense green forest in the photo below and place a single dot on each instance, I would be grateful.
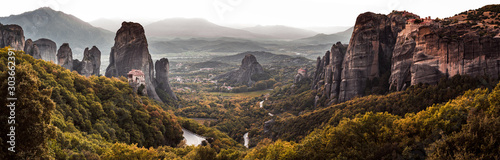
(412, 100)
(61, 114)
(467, 127)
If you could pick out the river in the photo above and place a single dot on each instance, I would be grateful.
(192, 138)
(247, 140)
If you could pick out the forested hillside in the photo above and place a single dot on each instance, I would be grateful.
(467, 127)
(61, 114)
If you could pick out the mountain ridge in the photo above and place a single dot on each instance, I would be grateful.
(61, 28)
(281, 31)
(195, 27)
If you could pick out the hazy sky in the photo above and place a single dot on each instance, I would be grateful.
(297, 13)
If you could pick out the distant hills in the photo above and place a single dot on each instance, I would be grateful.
(195, 27)
(205, 45)
(174, 35)
(343, 37)
(262, 57)
(61, 28)
(108, 24)
(328, 30)
(201, 28)
(281, 32)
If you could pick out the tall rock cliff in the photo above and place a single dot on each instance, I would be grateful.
(32, 49)
(90, 64)
(47, 48)
(161, 69)
(13, 36)
(369, 53)
(401, 49)
(428, 51)
(243, 76)
(329, 69)
(344, 73)
(130, 51)
(65, 56)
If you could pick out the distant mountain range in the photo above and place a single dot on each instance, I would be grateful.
(328, 30)
(189, 28)
(262, 57)
(205, 45)
(174, 35)
(61, 28)
(281, 32)
(201, 28)
(108, 24)
(343, 37)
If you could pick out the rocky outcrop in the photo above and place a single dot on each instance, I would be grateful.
(161, 69)
(246, 74)
(424, 53)
(396, 51)
(369, 53)
(130, 51)
(13, 36)
(32, 49)
(329, 70)
(91, 62)
(47, 49)
(300, 76)
(65, 56)
(344, 73)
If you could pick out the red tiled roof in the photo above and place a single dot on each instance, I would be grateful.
(135, 72)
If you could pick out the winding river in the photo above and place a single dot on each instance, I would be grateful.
(192, 138)
(247, 140)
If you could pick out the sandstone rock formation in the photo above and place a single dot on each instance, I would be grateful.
(65, 56)
(90, 64)
(346, 72)
(396, 51)
(243, 76)
(426, 52)
(161, 69)
(329, 70)
(32, 49)
(13, 36)
(130, 51)
(369, 53)
(47, 48)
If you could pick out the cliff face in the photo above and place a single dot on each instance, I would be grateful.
(32, 49)
(91, 62)
(13, 36)
(161, 69)
(243, 76)
(130, 51)
(369, 53)
(47, 49)
(346, 72)
(426, 52)
(65, 56)
(328, 71)
(395, 51)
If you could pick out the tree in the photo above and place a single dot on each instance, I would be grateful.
(32, 112)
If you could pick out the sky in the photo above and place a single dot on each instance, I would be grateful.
(295, 13)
